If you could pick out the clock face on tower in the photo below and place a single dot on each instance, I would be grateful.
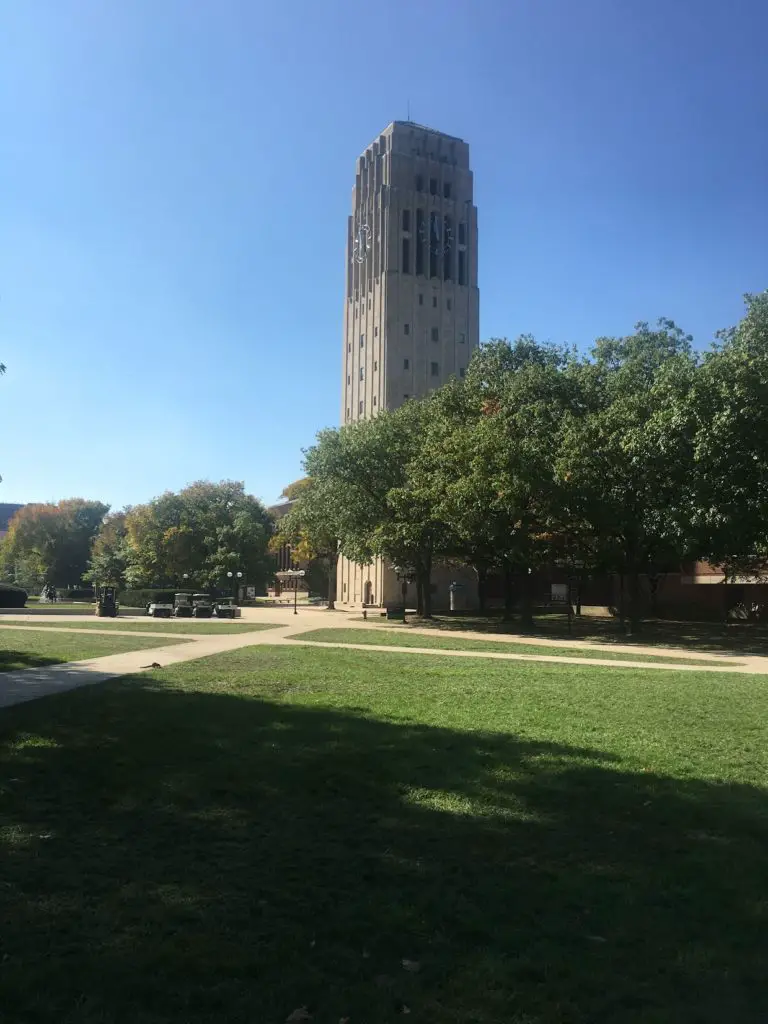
(361, 240)
(439, 235)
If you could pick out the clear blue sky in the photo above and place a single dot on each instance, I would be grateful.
(175, 178)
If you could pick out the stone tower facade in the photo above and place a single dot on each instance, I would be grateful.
(411, 310)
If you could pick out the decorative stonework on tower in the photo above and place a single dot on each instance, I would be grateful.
(411, 311)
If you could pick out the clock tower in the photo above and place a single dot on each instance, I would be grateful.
(411, 312)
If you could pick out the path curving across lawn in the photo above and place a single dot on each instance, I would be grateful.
(33, 648)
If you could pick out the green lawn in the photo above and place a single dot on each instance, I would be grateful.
(406, 638)
(57, 608)
(357, 832)
(30, 648)
(713, 637)
(163, 625)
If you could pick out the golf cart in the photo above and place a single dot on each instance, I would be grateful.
(225, 608)
(201, 606)
(182, 605)
(106, 602)
(160, 610)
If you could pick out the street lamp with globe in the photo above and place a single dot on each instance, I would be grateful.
(406, 574)
(234, 578)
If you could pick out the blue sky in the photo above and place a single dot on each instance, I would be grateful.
(175, 178)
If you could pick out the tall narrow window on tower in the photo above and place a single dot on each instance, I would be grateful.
(419, 242)
(462, 233)
(406, 220)
(447, 250)
(436, 242)
(406, 261)
(462, 266)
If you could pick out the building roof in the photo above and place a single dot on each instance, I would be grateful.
(424, 128)
(278, 511)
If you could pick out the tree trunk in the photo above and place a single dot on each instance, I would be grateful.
(426, 597)
(635, 609)
(654, 582)
(509, 593)
(526, 603)
(622, 613)
(419, 594)
(579, 581)
(332, 582)
(569, 596)
(482, 582)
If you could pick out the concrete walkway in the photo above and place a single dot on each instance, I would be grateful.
(29, 684)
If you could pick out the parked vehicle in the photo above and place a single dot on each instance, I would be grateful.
(202, 608)
(226, 609)
(160, 610)
(106, 602)
(182, 605)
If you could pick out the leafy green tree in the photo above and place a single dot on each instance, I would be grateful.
(205, 531)
(110, 552)
(379, 505)
(624, 456)
(54, 538)
(311, 528)
(488, 456)
(727, 423)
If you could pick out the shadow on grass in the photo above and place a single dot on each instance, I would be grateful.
(190, 857)
(740, 638)
(11, 660)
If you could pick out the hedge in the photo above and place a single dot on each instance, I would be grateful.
(141, 598)
(12, 597)
(77, 594)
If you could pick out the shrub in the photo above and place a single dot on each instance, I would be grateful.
(12, 597)
(77, 594)
(149, 595)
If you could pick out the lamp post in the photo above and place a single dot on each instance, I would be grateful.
(234, 578)
(406, 575)
(185, 577)
(299, 575)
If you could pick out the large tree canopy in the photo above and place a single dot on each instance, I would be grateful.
(52, 542)
(627, 460)
(204, 530)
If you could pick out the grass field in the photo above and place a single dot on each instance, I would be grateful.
(358, 833)
(28, 648)
(717, 638)
(407, 638)
(160, 626)
(57, 608)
